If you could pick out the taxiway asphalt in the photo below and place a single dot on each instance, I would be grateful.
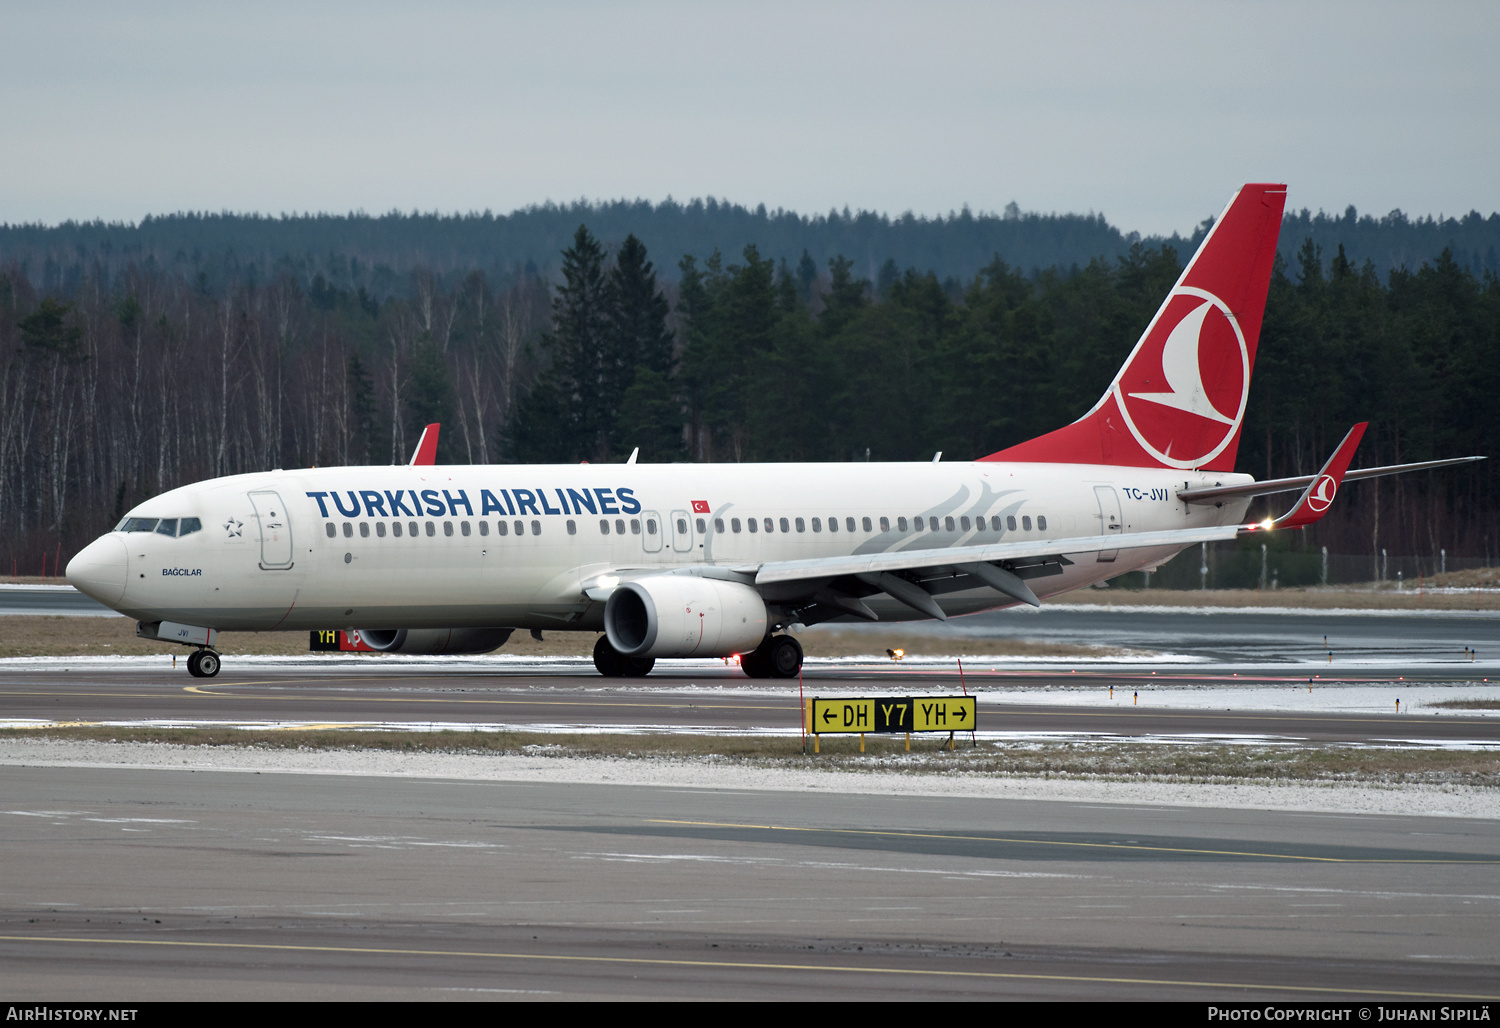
(185, 883)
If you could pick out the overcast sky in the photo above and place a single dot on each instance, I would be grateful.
(1151, 113)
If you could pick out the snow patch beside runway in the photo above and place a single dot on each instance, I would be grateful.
(1409, 800)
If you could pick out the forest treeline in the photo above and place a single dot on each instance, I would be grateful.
(218, 252)
(131, 382)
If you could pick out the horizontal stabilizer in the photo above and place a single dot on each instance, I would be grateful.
(1220, 493)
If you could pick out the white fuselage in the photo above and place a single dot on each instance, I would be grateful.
(319, 548)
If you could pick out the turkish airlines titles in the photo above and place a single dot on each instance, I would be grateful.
(387, 503)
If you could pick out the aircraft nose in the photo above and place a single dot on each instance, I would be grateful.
(100, 570)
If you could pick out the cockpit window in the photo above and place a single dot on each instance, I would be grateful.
(162, 526)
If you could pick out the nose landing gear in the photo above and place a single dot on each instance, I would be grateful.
(203, 663)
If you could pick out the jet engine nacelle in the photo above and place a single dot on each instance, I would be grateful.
(684, 616)
(434, 640)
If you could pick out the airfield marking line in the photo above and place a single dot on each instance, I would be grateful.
(739, 965)
(204, 691)
(1081, 845)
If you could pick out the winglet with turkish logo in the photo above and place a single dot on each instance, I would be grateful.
(1318, 496)
(426, 451)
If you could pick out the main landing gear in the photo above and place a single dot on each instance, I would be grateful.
(613, 664)
(203, 663)
(778, 656)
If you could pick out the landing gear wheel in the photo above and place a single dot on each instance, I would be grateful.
(203, 663)
(785, 657)
(757, 663)
(613, 664)
(778, 656)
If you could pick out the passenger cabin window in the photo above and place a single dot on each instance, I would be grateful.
(932, 523)
(703, 527)
(620, 526)
(484, 528)
(801, 525)
(635, 526)
(572, 527)
(849, 524)
(380, 529)
(1010, 522)
(520, 528)
(682, 526)
(734, 525)
(833, 524)
(348, 530)
(395, 529)
(719, 525)
(918, 524)
(333, 532)
(364, 530)
(995, 522)
(411, 529)
(447, 528)
(754, 525)
(604, 526)
(948, 523)
(784, 526)
(1026, 523)
(463, 526)
(963, 523)
(536, 528)
(1041, 522)
(650, 526)
(901, 524)
(885, 524)
(770, 525)
(817, 524)
(502, 528)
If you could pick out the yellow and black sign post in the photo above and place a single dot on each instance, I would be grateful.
(885, 715)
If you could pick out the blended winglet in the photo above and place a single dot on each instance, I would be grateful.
(426, 451)
(1318, 496)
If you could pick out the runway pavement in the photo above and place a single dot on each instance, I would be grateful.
(181, 884)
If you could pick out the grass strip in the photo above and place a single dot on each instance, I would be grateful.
(1090, 760)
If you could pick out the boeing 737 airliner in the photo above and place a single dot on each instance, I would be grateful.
(710, 560)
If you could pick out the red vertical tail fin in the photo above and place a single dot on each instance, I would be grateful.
(1179, 400)
(426, 451)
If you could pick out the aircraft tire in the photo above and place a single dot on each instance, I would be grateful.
(192, 664)
(208, 664)
(785, 657)
(612, 664)
(608, 660)
(757, 663)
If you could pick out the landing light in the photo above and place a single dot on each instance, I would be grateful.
(895, 655)
(1268, 524)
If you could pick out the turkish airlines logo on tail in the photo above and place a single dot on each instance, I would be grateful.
(1322, 493)
(1184, 390)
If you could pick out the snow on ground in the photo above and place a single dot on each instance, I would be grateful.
(1430, 801)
